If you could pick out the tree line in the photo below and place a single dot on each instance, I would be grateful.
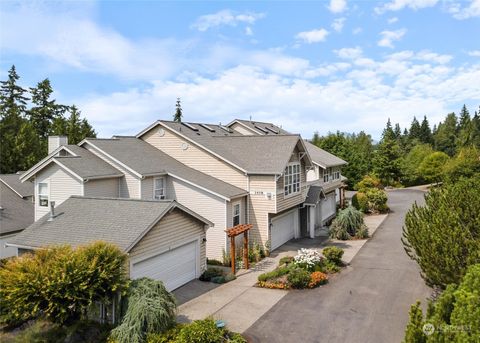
(416, 155)
(28, 117)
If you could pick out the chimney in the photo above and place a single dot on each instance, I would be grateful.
(56, 141)
(52, 211)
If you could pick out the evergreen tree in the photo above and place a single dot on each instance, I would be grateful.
(387, 159)
(178, 112)
(466, 129)
(425, 132)
(476, 130)
(415, 131)
(75, 128)
(12, 111)
(27, 146)
(446, 135)
(397, 131)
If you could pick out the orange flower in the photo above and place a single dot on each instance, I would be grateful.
(317, 278)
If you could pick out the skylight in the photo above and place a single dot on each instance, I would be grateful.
(190, 126)
(261, 129)
(205, 126)
(272, 130)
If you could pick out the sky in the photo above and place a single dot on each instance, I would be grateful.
(306, 66)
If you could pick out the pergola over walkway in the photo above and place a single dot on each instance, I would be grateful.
(232, 233)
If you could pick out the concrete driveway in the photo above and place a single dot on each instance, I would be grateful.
(367, 302)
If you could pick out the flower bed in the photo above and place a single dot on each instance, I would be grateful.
(308, 269)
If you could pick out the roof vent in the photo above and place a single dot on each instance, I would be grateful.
(190, 126)
(205, 126)
(52, 211)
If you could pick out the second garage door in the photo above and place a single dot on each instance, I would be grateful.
(283, 228)
(174, 268)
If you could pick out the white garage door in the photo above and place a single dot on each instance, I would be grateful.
(329, 206)
(174, 268)
(283, 229)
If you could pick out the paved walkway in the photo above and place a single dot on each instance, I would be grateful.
(240, 304)
(367, 302)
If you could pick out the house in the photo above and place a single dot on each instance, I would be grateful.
(16, 210)
(164, 240)
(325, 187)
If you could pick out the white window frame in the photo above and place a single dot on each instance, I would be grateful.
(40, 195)
(239, 215)
(155, 189)
(325, 175)
(292, 179)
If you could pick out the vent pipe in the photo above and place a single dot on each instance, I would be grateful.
(52, 211)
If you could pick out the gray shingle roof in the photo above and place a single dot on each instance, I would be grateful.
(148, 160)
(81, 220)
(267, 154)
(17, 212)
(86, 164)
(322, 157)
(13, 181)
(313, 195)
(262, 127)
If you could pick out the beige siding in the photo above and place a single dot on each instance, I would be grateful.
(175, 229)
(242, 129)
(61, 186)
(259, 205)
(129, 184)
(284, 203)
(102, 188)
(205, 204)
(195, 157)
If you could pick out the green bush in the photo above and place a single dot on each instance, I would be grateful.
(60, 282)
(150, 309)
(201, 331)
(214, 262)
(376, 201)
(230, 277)
(210, 273)
(414, 332)
(443, 236)
(273, 274)
(169, 336)
(347, 223)
(298, 278)
(333, 254)
(330, 267)
(465, 164)
(368, 182)
(360, 201)
(285, 260)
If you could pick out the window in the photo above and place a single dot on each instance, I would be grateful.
(236, 214)
(292, 179)
(159, 188)
(337, 175)
(325, 175)
(43, 194)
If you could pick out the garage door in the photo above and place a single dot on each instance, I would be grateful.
(329, 206)
(283, 228)
(174, 268)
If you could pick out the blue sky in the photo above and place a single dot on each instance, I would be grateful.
(308, 66)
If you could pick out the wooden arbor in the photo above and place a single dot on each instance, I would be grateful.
(234, 232)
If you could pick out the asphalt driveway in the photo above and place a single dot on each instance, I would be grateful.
(366, 302)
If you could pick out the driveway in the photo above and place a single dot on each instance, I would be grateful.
(367, 302)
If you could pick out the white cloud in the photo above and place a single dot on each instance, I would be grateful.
(248, 31)
(349, 53)
(474, 53)
(397, 5)
(465, 12)
(388, 37)
(357, 30)
(225, 17)
(313, 36)
(337, 6)
(338, 23)
(392, 20)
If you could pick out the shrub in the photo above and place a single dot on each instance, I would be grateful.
(307, 258)
(347, 223)
(360, 201)
(333, 254)
(414, 332)
(60, 282)
(330, 267)
(376, 201)
(368, 182)
(273, 274)
(277, 284)
(201, 331)
(230, 277)
(431, 168)
(362, 233)
(218, 279)
(210, 273)
(150, 308)
(299, 278)
(168, 336)
(465, 164)
(286, 260)
(316, 279)
(214, 262)
(443, 236)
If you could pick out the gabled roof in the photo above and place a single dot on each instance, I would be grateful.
(318, 155)
(16, 212)
(81, 220)
(13, 182)
(145, 160)
(313, 195)
(251, 154)
(79, 161)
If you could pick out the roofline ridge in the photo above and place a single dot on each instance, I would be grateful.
(122, 199)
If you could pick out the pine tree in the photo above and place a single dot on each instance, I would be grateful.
(445, 138)
(413, 332)
(397, 131)
(465, 129)
(178, 112)
(425, 132)
(12, 111)
(75, 128)
(415, 131)
(387, 159)
(27, 145)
